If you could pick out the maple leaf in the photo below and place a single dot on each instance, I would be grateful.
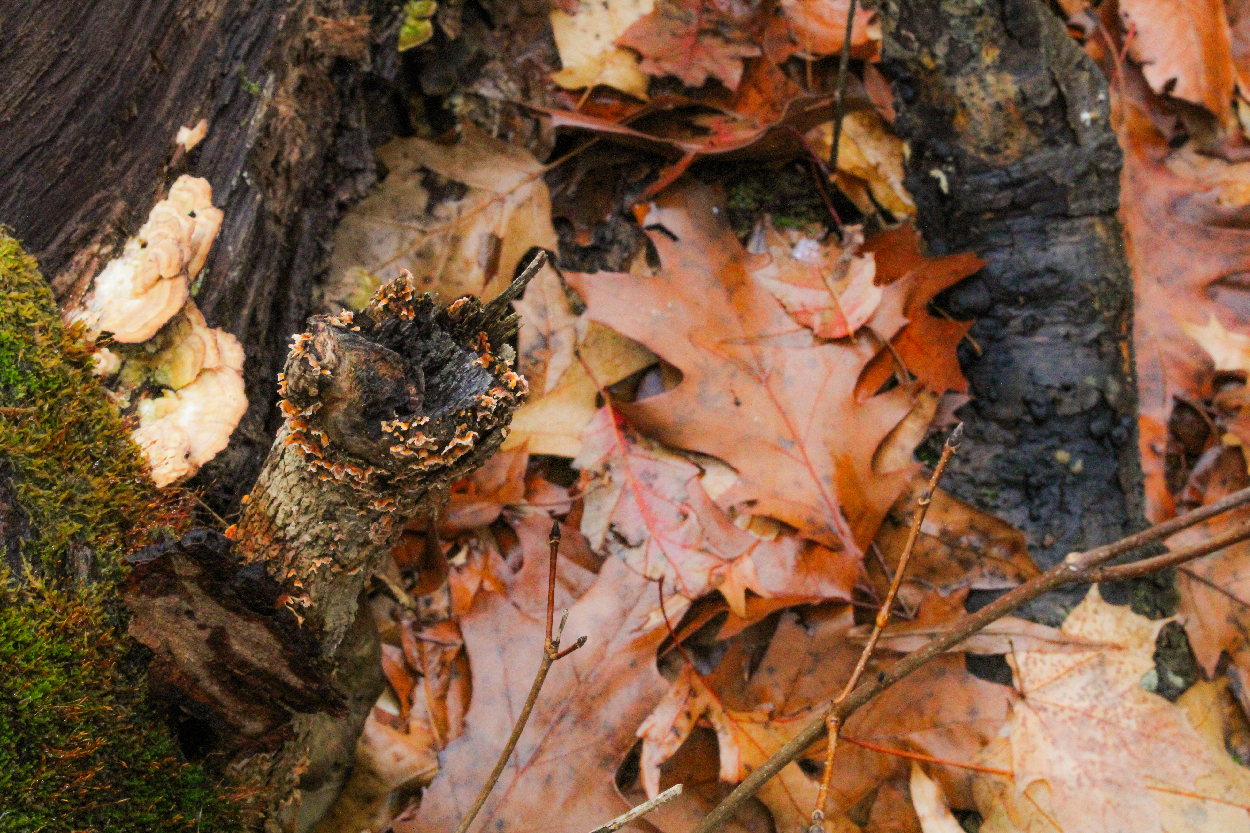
(1091, 750)
(923, 341)
(647, 506)
(581, 728)
(770, 401)
(692, 40)
(459, 217)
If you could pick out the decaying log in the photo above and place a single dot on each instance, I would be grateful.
(1013, 156)
(383, 410)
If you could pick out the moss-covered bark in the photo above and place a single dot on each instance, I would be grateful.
(80, 749)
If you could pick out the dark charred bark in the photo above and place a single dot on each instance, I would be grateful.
(94, 94)
(1013, 156)
(383, 411)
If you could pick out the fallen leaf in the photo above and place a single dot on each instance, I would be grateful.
(924, 342)
(562, 773)
(752, 387)
(459, 217)
(477, 500)
(647, 505)
(554, 423)
(1091, 750)
(587, 43)
(936, 616)
(931, 808)
(1188, 243)
(870, 163)
(822, 287)
(550, 332)
(807, 661)
(1185, 51)
(959, 547)
(818, 28)
(691, 39)
(387, 760)
(744, 739)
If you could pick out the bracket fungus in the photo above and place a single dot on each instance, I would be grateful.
(138, 292)
(182, 379)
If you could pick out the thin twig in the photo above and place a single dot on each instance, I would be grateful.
(641, 810)
(833, 722)
(551, 653)
(1077, 568)
(839, 107)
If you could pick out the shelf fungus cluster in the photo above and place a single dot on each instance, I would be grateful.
(164, 365)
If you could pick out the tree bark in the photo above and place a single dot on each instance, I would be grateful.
(1013, 156)
(94, 95)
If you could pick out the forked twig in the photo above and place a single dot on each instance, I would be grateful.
(833, 721)
(641, 810)
(1077, 568)
(551, 653)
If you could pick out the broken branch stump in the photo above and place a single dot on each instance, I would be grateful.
(383, 410)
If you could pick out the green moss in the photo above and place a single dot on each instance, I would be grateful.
(80, 749)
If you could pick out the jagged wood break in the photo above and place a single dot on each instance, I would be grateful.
(383, 410)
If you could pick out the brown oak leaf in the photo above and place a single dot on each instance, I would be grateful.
(647, 505)
(772, 402)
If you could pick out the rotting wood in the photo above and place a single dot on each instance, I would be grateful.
(383, 411)
(1013, 156)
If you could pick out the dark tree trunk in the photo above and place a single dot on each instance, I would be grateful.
(93, 97)
(1013, 156)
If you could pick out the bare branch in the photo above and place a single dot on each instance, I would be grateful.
(832, 721)
(1077, 568)
(641, 810)
(551, 653)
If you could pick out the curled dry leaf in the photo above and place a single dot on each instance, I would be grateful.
(870, 163)
(647, 505)
(459, 217)
(1091, 750)
(773, 403)
(823, 287)
(586, 39)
